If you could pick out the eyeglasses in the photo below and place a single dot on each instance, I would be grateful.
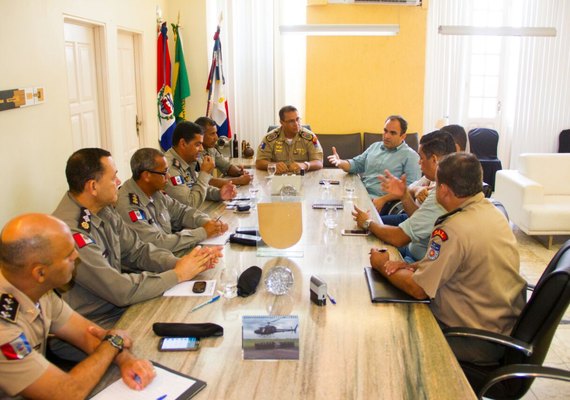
(293, 121)
(157, 172)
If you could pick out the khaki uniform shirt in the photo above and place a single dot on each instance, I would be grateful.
(186, 185)
(24, 327)
(160, 219)
(304, 147)
(471, 269)
(101, 289)
(222, 163)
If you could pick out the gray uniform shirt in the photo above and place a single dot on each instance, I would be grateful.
(160, 219)
(100, 290)
(222, 163)
(186, 185)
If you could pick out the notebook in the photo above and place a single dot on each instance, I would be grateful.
(382, 291)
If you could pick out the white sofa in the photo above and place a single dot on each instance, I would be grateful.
(537, 196)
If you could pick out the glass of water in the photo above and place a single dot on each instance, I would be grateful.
(228, 282)
(349, 189)
(331, 217)
(271, 169)
(253, 190)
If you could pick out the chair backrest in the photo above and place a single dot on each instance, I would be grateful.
(348, 145)
(271, 127)
(483, 142)
(413, 141)
(542, 314)
(371, 137)
(564, 141)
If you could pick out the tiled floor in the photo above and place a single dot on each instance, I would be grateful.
(534, 258)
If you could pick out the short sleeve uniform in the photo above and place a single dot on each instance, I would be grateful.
(304, 146)
(222, 163)
(419, 226)
(24, 327)
(471, 269)
(160, 219)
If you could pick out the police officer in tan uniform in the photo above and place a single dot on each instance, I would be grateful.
(156, 217)
(471, 268)
(189, 181)
(292, 147)
(37, 254)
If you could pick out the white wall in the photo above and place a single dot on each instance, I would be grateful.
(35, 141)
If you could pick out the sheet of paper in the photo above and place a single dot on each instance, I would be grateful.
(216, 241)
(185, 289)
(165, 383)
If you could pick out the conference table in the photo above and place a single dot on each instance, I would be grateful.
(352, 350)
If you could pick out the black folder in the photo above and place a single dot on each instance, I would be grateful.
(382, 291)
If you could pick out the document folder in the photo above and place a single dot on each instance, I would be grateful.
(382, 291)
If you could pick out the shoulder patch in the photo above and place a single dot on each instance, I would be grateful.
(134, 199)
(272, 136)
(438, 232)
(82, 240)
(84, 221)
(177, 180)
(17, 349)
(433, 252)
(306, 135)
(445, 216)
(137, 215)
(262, 145)
(176, 163)
(8, 307)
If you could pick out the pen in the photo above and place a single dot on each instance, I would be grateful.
(205, 303)
(218, 218)
(138, 379)
(161, 397)
(382, 250)
(331, 298)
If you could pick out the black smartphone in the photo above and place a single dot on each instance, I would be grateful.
(354, 232)
(199, 287)
(330, 181)
(178, 344)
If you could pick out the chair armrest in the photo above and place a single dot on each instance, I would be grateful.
(492, 337)
(511, 185)
(522, 371)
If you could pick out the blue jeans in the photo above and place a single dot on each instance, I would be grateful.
(394, 220)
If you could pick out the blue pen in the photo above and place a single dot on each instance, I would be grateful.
(162, 397)
(331, 298)
(206, 303)
(138, 379)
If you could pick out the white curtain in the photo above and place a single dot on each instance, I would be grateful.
(259, 78)
(536, 105)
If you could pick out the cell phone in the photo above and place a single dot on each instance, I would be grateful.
(199, 287)
(330, 181)
(354, 232)
(178, 344)
(246, 237)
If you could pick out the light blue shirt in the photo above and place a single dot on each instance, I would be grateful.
(377, 158)
(420, 225)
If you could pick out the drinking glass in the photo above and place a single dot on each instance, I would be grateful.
(349, 189)
(228, 282)
(331, 217)
(271, 169)
(253, 190)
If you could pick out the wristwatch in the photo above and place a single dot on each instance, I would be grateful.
(116, 341)
(366, 224)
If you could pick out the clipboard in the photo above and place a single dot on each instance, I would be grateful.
(382, 291)
(190, 387)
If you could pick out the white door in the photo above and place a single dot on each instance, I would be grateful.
(128, 79)
(81, 59)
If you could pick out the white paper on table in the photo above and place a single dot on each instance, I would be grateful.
(217, 240)
(185, 289)
(165, 383)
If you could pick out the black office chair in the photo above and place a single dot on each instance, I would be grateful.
(371, 137)
(348, 145)
(271, 127)
(483, 142)
(564, 141)
(413, 141)
(526, 347)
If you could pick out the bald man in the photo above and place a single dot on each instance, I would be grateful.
(37, 254)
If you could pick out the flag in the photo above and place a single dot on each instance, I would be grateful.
(179, 77)
(164, 100)
(217, 103)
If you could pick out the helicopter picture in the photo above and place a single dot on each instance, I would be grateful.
(270, 337)
(270, 329)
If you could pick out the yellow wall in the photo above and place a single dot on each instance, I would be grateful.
(354, 83)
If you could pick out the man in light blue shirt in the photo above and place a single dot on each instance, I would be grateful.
(412, 236)
(392, 154)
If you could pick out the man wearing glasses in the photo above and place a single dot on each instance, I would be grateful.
(292, 147)
(156, 217)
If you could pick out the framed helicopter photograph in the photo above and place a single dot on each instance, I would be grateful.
(270, 337)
